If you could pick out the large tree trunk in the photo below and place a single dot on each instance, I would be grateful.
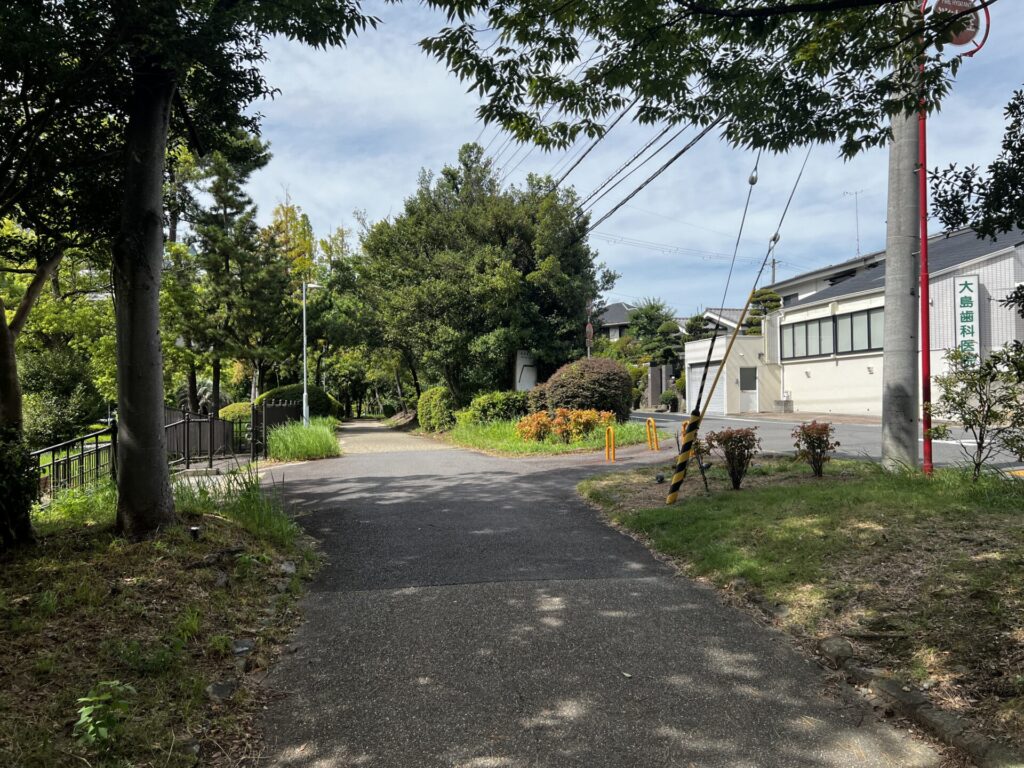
(144, 500)
(215, 406)
(193, 387)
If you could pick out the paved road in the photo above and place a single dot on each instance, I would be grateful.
(474, 613)
(856, 440)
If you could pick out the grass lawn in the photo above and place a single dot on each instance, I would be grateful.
(85, 608)
(500, 437)
(924, 577)
(297, 442)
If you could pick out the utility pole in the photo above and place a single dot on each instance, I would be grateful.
(774, 262)
(900, 355)
(856, 213)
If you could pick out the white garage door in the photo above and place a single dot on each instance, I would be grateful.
(717, 407)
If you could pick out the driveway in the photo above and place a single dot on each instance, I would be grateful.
(474, 613)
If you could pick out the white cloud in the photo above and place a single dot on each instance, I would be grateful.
(352, 128)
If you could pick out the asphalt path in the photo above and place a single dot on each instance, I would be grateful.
(859, 441)
(473, 612)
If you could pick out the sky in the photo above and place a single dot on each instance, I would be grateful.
(351, 129)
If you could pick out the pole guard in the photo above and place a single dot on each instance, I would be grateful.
(685, 454)
(652, 435)
(609, 444)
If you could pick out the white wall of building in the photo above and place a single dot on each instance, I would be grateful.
(852, 383)
(747, 352)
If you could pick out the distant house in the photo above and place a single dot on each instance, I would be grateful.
(614, 321)
(821, 352)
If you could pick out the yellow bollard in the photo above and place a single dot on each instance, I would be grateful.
(609, 444)
(652, 435)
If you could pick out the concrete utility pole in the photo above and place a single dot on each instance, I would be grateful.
(902, 245)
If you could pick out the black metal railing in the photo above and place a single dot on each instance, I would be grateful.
(75, 463)
(191, 438)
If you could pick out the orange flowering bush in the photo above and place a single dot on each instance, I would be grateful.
(567, 425)
(536, 426)
(573, 425)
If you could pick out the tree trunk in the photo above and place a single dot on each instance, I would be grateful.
(215, 393)
(10, 387)
(144, 500)
(415, 378)
(398, 384)
(193, 388)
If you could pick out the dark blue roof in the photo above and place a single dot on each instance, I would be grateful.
(944, 251)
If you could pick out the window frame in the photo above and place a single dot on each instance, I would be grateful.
(833, 322)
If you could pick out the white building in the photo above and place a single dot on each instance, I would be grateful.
(822, 351)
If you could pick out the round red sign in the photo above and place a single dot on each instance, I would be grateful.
(972, 21)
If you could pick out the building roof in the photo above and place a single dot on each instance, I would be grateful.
(944, 252)
(616, 314)
(724, 315)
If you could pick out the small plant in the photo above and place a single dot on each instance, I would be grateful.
(738, 447)
(814, 444)
(102, 713)
(219, 645)
(986, 397)
(188, 624)
(671, 399)
(536, 426)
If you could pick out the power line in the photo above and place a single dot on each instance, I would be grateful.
(646, 160)
(666, 248)
(597, 141)
(626, 164)
(689, 145)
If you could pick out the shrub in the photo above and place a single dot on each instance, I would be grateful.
(104, 709)
(436, 410)
(295, 441)
(240, 411)
(597, 382)
(737, 447)
(671, 399)
(320, 403)
(536, 426)
(498, 406)
(537, 399)
(814, 444)
(571, 426)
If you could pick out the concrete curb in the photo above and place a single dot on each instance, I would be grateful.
(947, 727)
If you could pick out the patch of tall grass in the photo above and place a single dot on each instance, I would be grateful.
(239, 497)
(500, 436)
(297, 442)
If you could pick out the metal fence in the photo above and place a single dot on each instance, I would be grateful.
(195, 438)
(75, 463)
(192, 439)
(266, 416)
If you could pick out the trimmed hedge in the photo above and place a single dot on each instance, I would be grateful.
(320, 403)
(236, 412)
(498, 406)
(537, 399)
(436, 410)
(597, 383)
(670, 398)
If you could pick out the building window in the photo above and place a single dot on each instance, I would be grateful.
(844, 334)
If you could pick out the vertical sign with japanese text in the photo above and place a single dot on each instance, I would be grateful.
(967, 306)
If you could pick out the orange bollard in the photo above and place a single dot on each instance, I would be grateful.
(609, 444)
(652, 435)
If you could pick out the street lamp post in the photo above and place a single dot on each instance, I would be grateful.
(305, 387)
